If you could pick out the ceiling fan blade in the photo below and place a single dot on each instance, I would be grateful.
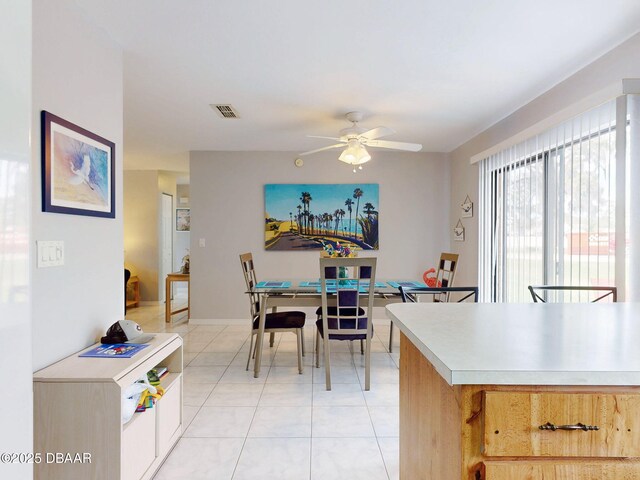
(409, 147)
(328, 138)
(377, 133)
(337, 145)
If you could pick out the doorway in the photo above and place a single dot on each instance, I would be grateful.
(166, 242)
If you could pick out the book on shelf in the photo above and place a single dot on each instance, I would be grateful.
(116, 350)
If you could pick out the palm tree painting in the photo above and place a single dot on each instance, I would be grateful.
(320, 218)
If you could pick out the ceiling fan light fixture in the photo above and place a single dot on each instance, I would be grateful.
(355, 153)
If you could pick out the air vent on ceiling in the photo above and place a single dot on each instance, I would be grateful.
(225, 111)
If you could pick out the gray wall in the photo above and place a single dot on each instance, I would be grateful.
(227, 211)
(592, 85)
(77, 75)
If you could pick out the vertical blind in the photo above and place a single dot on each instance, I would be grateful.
(547, 211)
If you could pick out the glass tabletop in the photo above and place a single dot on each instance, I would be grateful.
(313, 286)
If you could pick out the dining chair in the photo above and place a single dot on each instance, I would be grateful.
(444, 278)
(556, 293)
(275, 322)
(347, 308)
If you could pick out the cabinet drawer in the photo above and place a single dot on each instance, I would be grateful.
(561, 471)
(138, 444)
(512, 421)
(169, 415)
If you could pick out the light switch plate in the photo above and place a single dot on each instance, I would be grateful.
(50, 253)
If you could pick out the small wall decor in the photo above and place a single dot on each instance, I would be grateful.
(458, 232)
(321, 216)
(78, 172)
(467, 208)
(183, 219)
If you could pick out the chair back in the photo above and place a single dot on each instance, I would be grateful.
(572, 294)
(246, 260)
(445, 275)
(353, 296)
(413, 294)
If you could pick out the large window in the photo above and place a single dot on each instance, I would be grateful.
(548, 210)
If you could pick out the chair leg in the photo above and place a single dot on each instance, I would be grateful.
(299, 338)
(272, 337)
(327, 363)
(361, 347)
(250, 351)
(390, 337)
(367, 366)
(302, 337)
(317, 349)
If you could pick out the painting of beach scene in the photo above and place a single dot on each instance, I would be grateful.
(321, 216)
(78, 170)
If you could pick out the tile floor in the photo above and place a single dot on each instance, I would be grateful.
(282, 425)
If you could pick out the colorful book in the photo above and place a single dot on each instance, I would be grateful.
(117, 350)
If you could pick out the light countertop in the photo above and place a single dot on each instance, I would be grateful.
(526, 344)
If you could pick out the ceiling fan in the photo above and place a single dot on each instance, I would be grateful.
(355, 139)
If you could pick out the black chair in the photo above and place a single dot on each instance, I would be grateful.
(541, 293)
(412, 295)
(276, 322)
(349, 317)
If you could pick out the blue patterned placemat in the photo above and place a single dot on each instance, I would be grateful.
(272, 284)
(406, 283)
(331, 281)
(332, 288)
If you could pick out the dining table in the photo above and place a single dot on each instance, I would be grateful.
(307, 293)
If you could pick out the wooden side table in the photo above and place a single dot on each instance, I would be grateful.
(135, 285)
(176, 277)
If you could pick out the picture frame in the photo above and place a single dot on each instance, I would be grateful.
(458, 232)
(467, 208)
(321, 216)
(183, 219)
(78, 170)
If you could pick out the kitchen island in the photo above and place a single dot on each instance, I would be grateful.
(519, 391)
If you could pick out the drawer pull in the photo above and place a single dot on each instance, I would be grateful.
(577, 426)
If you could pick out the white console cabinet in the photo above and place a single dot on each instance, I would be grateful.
(78, 410)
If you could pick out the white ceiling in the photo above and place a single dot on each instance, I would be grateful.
(438, 72)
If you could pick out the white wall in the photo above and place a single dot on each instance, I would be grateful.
(77, 75)
(594, 84)
(227, 210)
(16, 404)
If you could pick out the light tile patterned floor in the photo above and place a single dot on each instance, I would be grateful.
(282, 425)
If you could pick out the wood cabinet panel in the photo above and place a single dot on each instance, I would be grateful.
(561, 471)
(512, 421)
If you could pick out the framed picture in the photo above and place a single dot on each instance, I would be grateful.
(319, 216)
(467, 208)
(183, 219)
(458, 232)
(78, 170)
